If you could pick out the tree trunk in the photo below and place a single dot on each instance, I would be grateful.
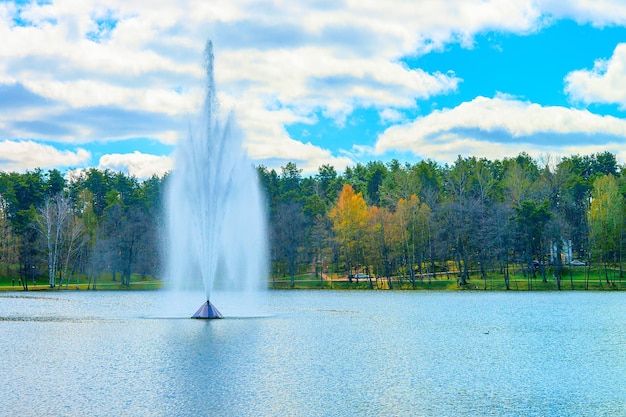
(506, 277)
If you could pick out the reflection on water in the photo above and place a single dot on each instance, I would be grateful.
(316, 353)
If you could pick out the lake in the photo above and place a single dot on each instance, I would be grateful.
(315, 353)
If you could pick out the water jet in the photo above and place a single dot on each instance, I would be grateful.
(217, 221)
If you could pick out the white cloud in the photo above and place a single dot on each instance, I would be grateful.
(502, 126)
(85, 93)
(599, 13)
(292, 60)
(390, 116)
(271, 145)
(25, 155)
(315, 78)
(137, 164)
(334, 66)
(605, 83)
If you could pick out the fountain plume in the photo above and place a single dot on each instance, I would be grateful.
(217, 221)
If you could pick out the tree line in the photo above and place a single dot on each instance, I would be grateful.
(98, 222)
(406, 221)
(474, 216)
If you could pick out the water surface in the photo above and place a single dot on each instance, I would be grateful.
(316, 353)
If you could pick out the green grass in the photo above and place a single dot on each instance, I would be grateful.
(495, 282)
(104, 282)
(582, 279)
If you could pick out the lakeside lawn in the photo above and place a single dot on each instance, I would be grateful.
(104, 282)
(581, 278)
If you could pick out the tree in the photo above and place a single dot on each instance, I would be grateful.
(8, 237)
(52, 221)
(27, 194)
(349, 217)
(531, 219)
(89, 225)
(149, 256)
(329, 183)
(356, 177)
(376, 173)
(429, 175)
(502, 237)
(74, 241)
(461, 214)
(574, 195)
(290, 183)
(399, 183)
(289, 234)
(606, 218)
(412, 218)
(517, 185)
(55, 183)
(99, 184)
(380, 237)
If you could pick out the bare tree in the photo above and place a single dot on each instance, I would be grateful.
(289, 231)
(51, 222)
(75, 240)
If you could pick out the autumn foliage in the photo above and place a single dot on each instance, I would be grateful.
(413, 223)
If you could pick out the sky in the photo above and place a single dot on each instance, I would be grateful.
(116, 84)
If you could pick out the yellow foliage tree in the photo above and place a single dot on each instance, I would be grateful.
(412, 218)
(382, 237)
(349, 217)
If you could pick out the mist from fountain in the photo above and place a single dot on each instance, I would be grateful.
(217, 221)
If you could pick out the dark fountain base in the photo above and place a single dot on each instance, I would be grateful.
(207, 311)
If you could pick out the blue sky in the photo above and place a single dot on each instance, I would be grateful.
(115, 84)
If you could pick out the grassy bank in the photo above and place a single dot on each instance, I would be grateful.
(105, 282)
(580, 279)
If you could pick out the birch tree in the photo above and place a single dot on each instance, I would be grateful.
(52, 220)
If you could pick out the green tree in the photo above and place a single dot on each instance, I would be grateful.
(28, 195)
(290, 183)
(606, 218)
(531, 220)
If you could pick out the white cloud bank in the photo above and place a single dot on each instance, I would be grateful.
(503, 127)
(26, 155)
(282, 61)
(137, 164)
(605, 83)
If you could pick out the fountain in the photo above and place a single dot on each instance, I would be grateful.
(217, 220)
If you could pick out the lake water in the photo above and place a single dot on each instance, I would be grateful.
(316, 353)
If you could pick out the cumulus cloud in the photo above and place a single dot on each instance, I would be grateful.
(309, 57)
(271, 145)
(599, 13)
(92, 93)
(137, 164)
(390, 116)
(138, 63)
(605, 83)
(25, 155)
(504, 126)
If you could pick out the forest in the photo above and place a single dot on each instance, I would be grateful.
(390, 221)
